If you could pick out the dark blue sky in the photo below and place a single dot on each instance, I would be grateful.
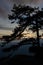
(6, 6)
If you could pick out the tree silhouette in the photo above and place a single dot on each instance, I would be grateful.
(32, 18)
(26, 16)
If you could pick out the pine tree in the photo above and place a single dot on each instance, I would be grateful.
(27, 17)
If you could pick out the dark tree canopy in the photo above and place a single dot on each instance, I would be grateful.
(26, 16)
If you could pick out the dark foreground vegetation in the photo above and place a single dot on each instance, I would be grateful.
(23, 59)
(37, 58)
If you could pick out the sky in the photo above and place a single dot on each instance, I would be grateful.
(5, 9)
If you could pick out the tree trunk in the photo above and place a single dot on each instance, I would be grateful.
(37, 32)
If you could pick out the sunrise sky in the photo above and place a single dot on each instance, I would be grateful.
(5, 8)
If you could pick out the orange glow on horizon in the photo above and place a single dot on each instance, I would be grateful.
(25, 33)
(5, 32)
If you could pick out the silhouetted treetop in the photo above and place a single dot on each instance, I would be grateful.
(26, 16)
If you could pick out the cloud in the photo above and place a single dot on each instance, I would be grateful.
(5, 28)
(25, 1)
(5, 7)
(3, 13)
